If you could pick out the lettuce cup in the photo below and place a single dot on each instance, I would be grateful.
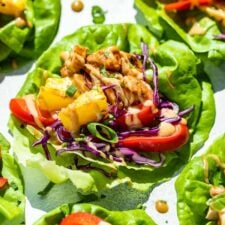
(110, 106)
(201, 188)
(27, 28)
(199, 24)
(89, 214)
(12, 199)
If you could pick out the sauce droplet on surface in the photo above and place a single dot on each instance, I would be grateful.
(77, 6)
(161, 206)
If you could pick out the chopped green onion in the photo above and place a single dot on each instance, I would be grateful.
(71, 90)
(103, 132)
(98, 14)
(104, 72)
(106, 53)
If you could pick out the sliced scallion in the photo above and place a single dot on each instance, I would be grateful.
(71, 90)
(98, 14)
(103, 132)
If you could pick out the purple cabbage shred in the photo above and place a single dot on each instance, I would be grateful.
(186, 111)
(44, 142)
(135, 157)
(141, 132)
(145, 52)
(220, 37)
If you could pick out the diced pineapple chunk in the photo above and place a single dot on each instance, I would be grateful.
(88, 107)
(12, 7)
(52, 96)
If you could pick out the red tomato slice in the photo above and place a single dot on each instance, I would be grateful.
(138, 116)
(20, 110)
(158, 143)
(81, 218)
(186, 4)
(3, 182)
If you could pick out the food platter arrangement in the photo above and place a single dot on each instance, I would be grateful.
(112, 112)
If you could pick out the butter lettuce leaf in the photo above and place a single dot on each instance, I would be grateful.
(153, 15)
(132, 217)
(178, 81)
(12, 199)
(193, 185)
(27, 43)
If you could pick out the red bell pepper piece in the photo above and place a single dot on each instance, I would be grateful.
(20, 110)
(158, 143)
(186, 4)
(138, 116)
(81, 218)
(3, 182)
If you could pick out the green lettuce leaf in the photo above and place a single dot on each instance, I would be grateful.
(217, 203)
(193, 192)
(178, 81)
(166, 27)
(12, 199)
(132, 217)
(23, 44)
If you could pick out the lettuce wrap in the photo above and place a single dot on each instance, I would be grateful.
(26, 32)
(178, 81)
(201, 188)
(132, 217)
(201, 32)
(12, 199)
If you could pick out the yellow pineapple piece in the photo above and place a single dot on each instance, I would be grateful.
(88, 107)
(52, 96)
(12, 7)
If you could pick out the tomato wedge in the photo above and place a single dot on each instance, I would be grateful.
(186, 4)
(3, 182)
(158, 143)
(20, 110)
(82, 218)
(138, 116)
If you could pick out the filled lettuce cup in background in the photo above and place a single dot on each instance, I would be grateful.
(89, 214)
(27, 28)
(111, 112)
(200, 24)
(201, 188)
(12, 199)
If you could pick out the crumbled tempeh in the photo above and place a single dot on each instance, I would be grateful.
(81, 83)
(131, 66)
(216, 191)
(110, 58)
(108, 67)
(74, 62)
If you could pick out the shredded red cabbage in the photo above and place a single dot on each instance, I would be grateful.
(186, 111)
(156, 98)
(79, 146)
(146, 58)
(164, 103)
(44, 142)
(220, 37)
(134, 156)
(171, 120)
(145, 52)
(106, 87)
(141, 132)
(63, 135)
